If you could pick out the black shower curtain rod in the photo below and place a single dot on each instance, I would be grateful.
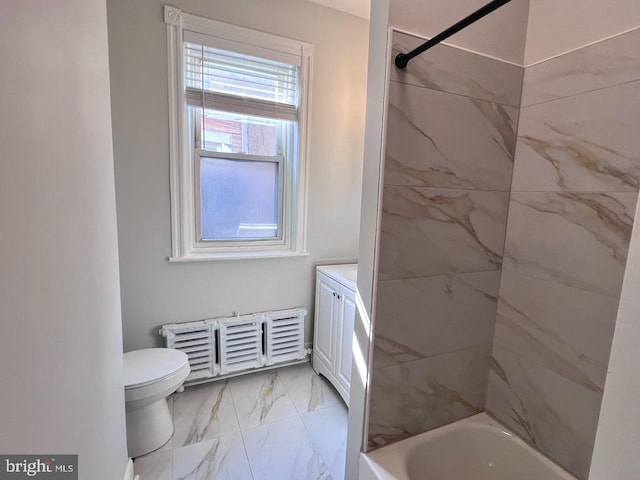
(402, 59)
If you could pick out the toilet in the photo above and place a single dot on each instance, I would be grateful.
(150, 376)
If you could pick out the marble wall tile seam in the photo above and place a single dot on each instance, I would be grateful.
(487, 346)
(587, 142)
(385, 280)
(452, 69)
(506, 228)
(553, 282)
(456, 94)
(459, 189)
(572, 191)
(578, 94)
(467, 189)
(605, 63)
(414, 277)
(551, 235)
(409, 399)
(436, 139)
(435, 315)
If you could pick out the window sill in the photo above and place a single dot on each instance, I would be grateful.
(207, 257)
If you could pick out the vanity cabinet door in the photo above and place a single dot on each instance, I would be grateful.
(324, 335)
(345, 341)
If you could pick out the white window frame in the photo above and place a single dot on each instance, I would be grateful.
(184, 158)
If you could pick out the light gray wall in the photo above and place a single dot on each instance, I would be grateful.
(615, 453)
(61, 344)
(556, 27)
(155, 292)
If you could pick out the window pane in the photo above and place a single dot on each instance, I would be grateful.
(231, 133)
(238, 199)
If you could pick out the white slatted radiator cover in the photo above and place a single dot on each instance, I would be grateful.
(198, 341)
(240, 343)
(231, 345)
(284, 337)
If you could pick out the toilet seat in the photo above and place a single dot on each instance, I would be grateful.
(151, 365)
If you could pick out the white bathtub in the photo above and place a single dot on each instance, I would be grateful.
(476, 448)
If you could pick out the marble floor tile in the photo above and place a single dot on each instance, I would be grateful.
(455, 70)
(461, 309)
(154, 466)
(610, 62)
(575, 239)
(414, 397)
(328, 430)
(308, 390)
(222, 458)
(585, 143)
(563, 329)
(557, 416)
(281, 445)
(261, 398)
(284, 451)
(433, 231)
(203, 412)
(423, 148)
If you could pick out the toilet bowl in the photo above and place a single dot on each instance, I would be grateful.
(150, 376)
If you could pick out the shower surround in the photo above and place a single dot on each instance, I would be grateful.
(573, 200)
(451, 138)
(468, 318)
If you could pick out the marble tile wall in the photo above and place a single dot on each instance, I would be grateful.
(451, 138)
(574, 192)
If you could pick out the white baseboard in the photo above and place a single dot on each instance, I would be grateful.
(128, 473)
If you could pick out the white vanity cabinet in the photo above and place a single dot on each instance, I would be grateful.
(335, 313)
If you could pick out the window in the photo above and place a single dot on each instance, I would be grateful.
(238, 102)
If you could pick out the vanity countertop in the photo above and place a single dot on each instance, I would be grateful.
(347, 274)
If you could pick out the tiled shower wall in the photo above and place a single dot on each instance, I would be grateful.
(451, 134)
(573, 198)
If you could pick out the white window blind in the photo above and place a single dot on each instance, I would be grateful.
(239, 83)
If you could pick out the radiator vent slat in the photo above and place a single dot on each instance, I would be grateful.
(249, 339)
(189, 336)
(285, 333)
(199, 353)
(195, 349)
(239, 344)
(193, 343)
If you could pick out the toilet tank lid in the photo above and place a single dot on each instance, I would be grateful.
(151, 364)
